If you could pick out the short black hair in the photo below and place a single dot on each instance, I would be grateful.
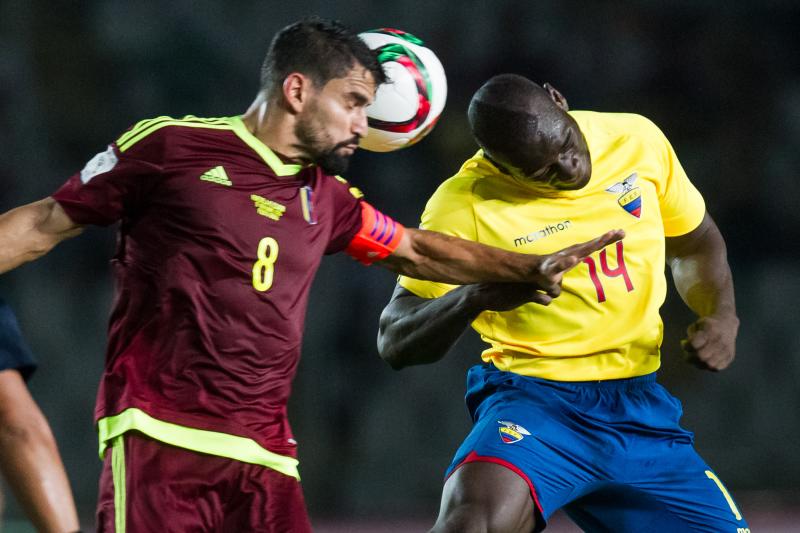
(500, 116)
(321, 49)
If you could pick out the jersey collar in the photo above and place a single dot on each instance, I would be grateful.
(270, 158)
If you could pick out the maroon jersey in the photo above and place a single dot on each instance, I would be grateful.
(218, 244)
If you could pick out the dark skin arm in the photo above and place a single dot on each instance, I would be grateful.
(701, 273)
(416, 331)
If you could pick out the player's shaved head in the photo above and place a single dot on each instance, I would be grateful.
(525, 126)
(508, 114)
(321, 49)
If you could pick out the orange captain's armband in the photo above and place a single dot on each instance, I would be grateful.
(378, 237)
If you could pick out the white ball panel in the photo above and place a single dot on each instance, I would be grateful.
(397, 100)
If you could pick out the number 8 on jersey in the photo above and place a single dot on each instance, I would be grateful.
(264, 267)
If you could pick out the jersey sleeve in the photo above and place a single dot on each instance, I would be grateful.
(115, 182)
(359, 229)
(682, 206)
(346, 209)
(14, 353)
(378, 237)
(448, 211)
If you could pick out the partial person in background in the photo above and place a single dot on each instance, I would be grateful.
(224, 222)
(566, 409)
(29, 458)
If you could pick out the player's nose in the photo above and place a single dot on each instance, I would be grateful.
(360, 124)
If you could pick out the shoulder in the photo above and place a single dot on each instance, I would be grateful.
(464, 182)
(606, 132)
(452, 204)
(165, 128)
(337, 185)
(593, 124)
(454, 194)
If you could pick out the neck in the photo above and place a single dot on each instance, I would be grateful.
(274, 126)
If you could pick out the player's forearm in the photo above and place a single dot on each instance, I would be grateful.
(702, 274)
(705, 283)
(414, 330)
(31, 465)
(30, 231)
(437, 257)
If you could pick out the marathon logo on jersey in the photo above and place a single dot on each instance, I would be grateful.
(546, 231)
(511, 432)
(99, 164)
(630, 196)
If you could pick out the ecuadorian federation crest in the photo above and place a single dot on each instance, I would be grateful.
(630, 196)
(511, 432)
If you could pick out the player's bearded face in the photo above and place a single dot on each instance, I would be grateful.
(311, 130)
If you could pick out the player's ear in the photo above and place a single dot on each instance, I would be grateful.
(556, 96)
(296, 91)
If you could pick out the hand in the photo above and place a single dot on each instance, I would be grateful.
(507, 296)
(546, 282)
(710, 343)
(551, 268)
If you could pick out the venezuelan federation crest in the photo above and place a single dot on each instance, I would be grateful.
(630, 196)
(511, 432)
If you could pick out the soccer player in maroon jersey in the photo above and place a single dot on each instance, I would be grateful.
(223, 223)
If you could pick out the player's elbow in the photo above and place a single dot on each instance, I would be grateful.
(388, 347)
(387, 353)
(38, 245)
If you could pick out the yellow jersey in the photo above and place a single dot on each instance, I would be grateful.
(606, 323)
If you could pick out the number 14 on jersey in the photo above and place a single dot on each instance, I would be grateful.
(607, 271)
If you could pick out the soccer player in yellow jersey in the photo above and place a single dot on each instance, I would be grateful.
(566, 410)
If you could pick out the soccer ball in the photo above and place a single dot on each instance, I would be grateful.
(408, 105)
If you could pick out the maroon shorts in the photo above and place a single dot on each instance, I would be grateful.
(173, 489)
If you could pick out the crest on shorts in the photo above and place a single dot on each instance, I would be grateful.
(511, 432)
(630, 196)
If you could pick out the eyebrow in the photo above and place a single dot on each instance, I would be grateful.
(358, 98)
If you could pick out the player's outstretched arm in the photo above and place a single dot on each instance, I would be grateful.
(29, 459)
(30, 231)
(700, 269)
(433, 256)
(414, 330)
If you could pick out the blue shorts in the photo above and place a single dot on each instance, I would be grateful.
(610, 453)
(14, 353)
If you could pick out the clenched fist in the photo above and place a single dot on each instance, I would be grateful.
(710, 343)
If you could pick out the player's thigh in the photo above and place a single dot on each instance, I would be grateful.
(690, 489)
(485, 497)
(266, 501)
(621, 509)
(146, 485)
(683, 496)
(149, 486)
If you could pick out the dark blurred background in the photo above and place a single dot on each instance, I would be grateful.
(722, 79)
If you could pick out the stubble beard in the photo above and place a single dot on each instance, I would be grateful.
(319, 147)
